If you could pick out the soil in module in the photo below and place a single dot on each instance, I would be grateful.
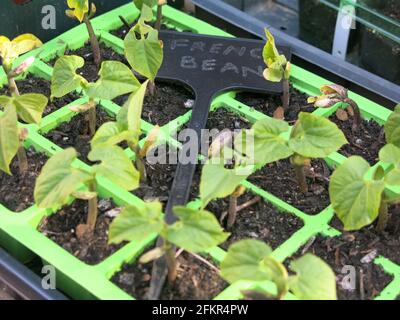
(341, 251)
(16, 191)
(195, 281)
(75, 133)
(32, 84)
(268, 103)
(61, 228)
(366, 142)
(368, 238)
(261, 221)
(160, 175)
(223, 119)
(167, 104)
(279, 179)
(90, 71)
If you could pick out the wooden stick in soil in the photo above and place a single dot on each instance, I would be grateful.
(210, 265)
(241, 207)
(94, 42)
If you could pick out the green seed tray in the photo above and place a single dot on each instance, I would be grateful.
(18, 231)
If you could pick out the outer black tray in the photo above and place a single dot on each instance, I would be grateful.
(313, 59)
(23, 281)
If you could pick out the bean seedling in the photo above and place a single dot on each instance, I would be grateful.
(196, 231)
(278, 68)
(59, 180)
(358, 200)
(128, 128)
(79, 9)
(116, 79)
(252, 260)
(312, 137)
(27, 107)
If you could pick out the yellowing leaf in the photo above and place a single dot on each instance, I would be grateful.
(9, 138)
(29, 106)
(26, 42)
(79, 8)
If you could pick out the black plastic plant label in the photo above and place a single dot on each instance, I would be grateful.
(215, 64)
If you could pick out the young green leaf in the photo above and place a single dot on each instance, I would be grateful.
(9, 138)
(29, 106)
(116, 166)
(111, 134)
(314, 279)
(218, 182)
(144, 54)
(276, 63)
(196, 230)
(315, 137)
(58, 180)
(129, 117)
(116, 79)
(355, 200)
(243, 261)
(136, 224)
(79, 9)
(65, 79)
(266, 136)
(392, 127)
(390, 153)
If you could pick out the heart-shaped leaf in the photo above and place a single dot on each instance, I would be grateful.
(58, 180)
(145, 55)
(116, 79)
(315, 136)
(196, 230)
(392, 127)
(355, 200)
(243, 261)
(137, 223)
(314, 279)
(116, 166)
(65, 79)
